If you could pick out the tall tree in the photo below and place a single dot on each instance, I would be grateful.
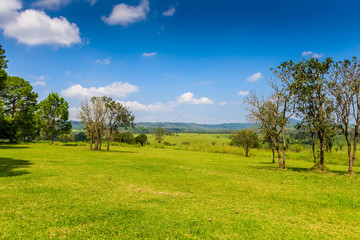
(20, 103)
(345, 89)
(53, 116)
(159, 134)
(314, 105)
(118, 116)
(245, 138)
(3, 66)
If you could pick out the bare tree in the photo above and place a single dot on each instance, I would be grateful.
(345, 89)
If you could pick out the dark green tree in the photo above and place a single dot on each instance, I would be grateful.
(159, 134)
(3, 66)
(245, 138)
(52, 116)
(19, 106)
(141, 139)
(313, 101)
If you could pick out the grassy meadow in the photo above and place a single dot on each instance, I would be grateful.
(186, 191)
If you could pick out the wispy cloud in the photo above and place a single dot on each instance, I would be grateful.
(39, 83)
(105, 61)
(170, 12)
(150, 54)
(136, 106)
(255, 77)
(312, 54)
(243, 93)
(123, 14)
(205, 83)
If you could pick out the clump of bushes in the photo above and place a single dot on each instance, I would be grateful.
(125, 137)
(141, 139)
(186, 143)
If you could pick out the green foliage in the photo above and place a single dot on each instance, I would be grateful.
(159, 134)
(80, 136)
(245, 138)
(65, 138)
(19, 106)
(141, 139)
(52, 116)
(125, 137)
(59, 192)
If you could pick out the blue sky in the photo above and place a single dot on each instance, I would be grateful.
(168, 60)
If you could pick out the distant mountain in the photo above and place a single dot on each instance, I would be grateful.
(149, 127)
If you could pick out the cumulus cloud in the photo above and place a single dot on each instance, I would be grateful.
(116, 89)
(312, 54)
(255, 77)
(243, 93)
(151, 54)
(170, 12)
(9, 6)
(136, 106)
(123, 14)
(41, 78)
(35, 27)
(189, 99)
(104, 61)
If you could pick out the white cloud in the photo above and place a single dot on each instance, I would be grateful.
(56, 4)
(116, 89)
(243, 93)
(255, 77)
(170, 12)
(123, 14)
(136, 106)
(39, 83)
(73, 112)
(205, 83)
(223, 103)
(151, 54)
(9, 6)
(51, 4)
(41, 78)
(189, 99)
(312, 54)
(34, 27)
(104, 61)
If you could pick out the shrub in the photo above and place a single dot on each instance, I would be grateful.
(65, 138)
(141, 139)
(186, 143)
(297, 148)
(125, 137)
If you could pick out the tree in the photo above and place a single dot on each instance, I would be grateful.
(141, 139)
(3, 66)
(118, 116)
(313, 103)
(345, 90)
(102, 117)
(159, 134)
(19, 106)
(245, 138)
(53, 115)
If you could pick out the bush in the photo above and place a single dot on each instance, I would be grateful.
(141, 139)
(168, 144)
(297, 148)
(65, 138)
(185, 143)
(125, 137)
(80, 136)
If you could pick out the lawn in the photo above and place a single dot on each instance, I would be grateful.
(52, 191)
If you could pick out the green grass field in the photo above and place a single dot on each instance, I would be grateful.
(53, 191)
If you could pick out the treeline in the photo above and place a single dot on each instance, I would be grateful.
(324, 95)
(22, 117)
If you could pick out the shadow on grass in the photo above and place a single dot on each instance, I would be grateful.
(8, 167)
(299, 169)
(12, 146)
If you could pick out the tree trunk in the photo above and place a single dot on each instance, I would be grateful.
(313, 148)
(322, 153)
(284, 149)
(279, 156)
(354, 151)
(52, 131)
(91, 140)
(247, 152)
(108, 144)
(273, 152)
